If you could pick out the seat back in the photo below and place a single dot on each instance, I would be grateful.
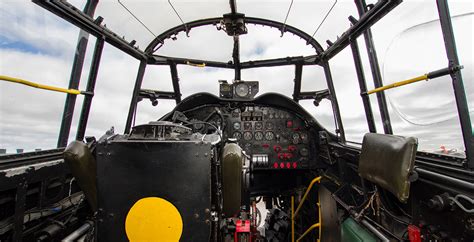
(388, 160)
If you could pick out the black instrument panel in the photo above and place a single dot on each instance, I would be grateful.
(273, 138)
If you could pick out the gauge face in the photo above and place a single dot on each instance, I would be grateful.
(258, 125)
(258, 135)
(269, 136)
(237, 125)
(304, 138)
(237, 135)
(304, 152)
(242, 90)
(247, 136)
(248, 126)
(295, 138)
(269, 125)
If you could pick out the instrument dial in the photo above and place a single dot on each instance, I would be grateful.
(258, 135)
(248, 136)
(269, 125)
(304, 152)
(269, 135)
(258, 125)
(237, 126)
(248, 126)
(295, 138)
(237, 135)
(304, 138)
(242, 90)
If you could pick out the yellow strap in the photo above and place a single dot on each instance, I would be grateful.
(397, 84)
(40, 86)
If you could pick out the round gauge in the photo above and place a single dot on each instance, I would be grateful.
(304, 138)
(248, 126)
(258, 125)
(237, 135)
(269, 135)
(269, 125)
(295, 138)
(258, 135)
(237, 125)
(242, 90)
(247, 136)
(304, 152)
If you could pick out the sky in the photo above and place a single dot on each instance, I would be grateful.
(38, 46)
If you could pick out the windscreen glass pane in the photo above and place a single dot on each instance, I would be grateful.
(202, 79)
(426, 110)
(348, 96)
(313, 79)
(272, 79)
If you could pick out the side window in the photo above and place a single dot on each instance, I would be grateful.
(348, 96)
(426, 110)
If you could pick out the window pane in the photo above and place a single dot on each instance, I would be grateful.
(272, 79)
(426, 110)
(348, 95)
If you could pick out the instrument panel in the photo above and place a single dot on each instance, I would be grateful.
(273, 138)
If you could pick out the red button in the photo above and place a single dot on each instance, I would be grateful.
(282, 165)
(281, 156)
(287, 156)
(275, 165)
(414, 233)
(277, 148)
(288, 165)
(291, 148)
(265, 146)
(295, 165)
(289, 124)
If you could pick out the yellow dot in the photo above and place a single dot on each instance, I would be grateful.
(153, 219)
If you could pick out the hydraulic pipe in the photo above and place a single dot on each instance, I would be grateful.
(78, 232)
(316, 225)
(376, 232)
(292, 219)
(317, 179)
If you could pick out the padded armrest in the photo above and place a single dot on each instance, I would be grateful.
(388, 160)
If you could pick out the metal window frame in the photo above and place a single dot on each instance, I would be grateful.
(367, 18)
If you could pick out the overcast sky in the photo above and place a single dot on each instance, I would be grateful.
(38, 46)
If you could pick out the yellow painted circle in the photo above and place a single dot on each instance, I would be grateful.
(153, 219)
